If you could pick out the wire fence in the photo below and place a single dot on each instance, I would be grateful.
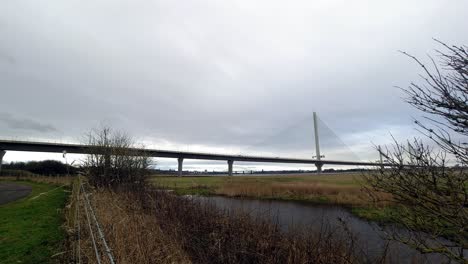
(91, 225)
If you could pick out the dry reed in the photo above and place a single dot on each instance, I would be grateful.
(336, 194)
(133, 235)
(146, 225)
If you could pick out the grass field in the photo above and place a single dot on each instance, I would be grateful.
(335, 188)
(351, 179)
(30, 228)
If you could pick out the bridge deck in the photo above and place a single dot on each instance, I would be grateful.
(86, 149)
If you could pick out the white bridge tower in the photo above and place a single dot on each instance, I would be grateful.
(318, 164)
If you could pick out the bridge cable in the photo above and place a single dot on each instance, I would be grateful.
(276, 137)
(329, 131)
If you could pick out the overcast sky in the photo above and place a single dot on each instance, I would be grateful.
(223, 76)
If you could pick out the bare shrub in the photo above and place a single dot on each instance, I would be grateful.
(115, 159)
(431, 198)
(432, 195)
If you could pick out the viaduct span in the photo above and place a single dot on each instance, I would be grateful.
(13, 145)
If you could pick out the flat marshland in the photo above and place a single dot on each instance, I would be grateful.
(346, 189)
(343, 188)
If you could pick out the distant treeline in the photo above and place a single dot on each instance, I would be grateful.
(45, 167)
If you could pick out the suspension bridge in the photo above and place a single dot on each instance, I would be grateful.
(318, 161)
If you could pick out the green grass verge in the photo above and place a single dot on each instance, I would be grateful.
(30, 229)
(382, 215)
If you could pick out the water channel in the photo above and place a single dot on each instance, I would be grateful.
(288, 215)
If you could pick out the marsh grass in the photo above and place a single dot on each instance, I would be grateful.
(343, 189)
(134, 235)
(147, 225)
(307, 191)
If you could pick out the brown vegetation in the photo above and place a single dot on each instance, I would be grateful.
(133, 235)
(152, 226)
(337, 194)
(114, 159)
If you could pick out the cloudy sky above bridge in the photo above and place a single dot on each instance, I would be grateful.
(225, 76)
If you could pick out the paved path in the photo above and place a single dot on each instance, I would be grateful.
(10, 192)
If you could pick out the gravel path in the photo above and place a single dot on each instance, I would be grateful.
(10, 192)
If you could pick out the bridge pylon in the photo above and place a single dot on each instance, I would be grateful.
(317, 145)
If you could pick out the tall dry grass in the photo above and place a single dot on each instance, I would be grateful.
(133, 235)
(146, 225)
(336, 194)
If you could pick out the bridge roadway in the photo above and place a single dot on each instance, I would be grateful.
(13, 145)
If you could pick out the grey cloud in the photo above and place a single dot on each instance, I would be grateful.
(242, 75)
(16, 123)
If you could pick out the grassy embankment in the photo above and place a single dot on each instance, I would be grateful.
(30, 228)
(341, 189)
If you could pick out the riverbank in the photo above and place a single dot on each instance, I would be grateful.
(146, 225)
(344, 189)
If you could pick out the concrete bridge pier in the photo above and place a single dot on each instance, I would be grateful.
(2, 153)
(230, 163)
(180, 161)
(319, 167)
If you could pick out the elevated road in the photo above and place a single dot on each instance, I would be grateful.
(13, 145)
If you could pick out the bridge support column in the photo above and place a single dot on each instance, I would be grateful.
(230, 163)
(180, 161)
(2, 153)
(319, 167)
